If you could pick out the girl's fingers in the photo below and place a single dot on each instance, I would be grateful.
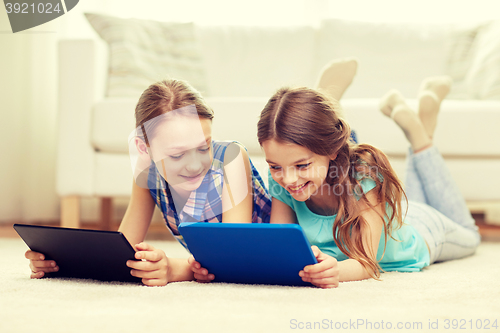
(193, 262)
(144, 247)
(201, 271)
(319, 275)
(39, 266)
(37, 275)
(202, 277)
(321, 266)
(146, 274)
(328, 280)
(43, 266)
(323, 283)
(149, 255)
(146, 266)
(154, 282)
(45, 270)
(34, 255)
(328, 286)
(315, 250)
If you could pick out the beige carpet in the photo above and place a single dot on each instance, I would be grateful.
(467, 290)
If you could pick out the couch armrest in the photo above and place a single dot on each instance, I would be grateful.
(80, 85)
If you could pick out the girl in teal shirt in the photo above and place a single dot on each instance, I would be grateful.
(347, 197)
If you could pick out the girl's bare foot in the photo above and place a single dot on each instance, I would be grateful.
(393, 105)
(431, 93)
(337, 76)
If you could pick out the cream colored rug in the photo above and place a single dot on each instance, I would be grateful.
(443, 298)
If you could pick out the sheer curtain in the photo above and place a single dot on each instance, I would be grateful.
(28, 87)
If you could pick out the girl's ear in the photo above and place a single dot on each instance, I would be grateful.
(142, 149)
(333, 157)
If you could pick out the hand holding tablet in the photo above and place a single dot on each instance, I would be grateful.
(79, 253)
(152, 266)
(250, 253)
(233, 252)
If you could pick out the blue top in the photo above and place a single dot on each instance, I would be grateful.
(205, 203)
(408, 254)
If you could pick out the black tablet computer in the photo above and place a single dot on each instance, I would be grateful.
(80, 253)
(254, 253)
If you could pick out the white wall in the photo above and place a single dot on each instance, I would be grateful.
(28, 108)
(11, 112)
(414, 11)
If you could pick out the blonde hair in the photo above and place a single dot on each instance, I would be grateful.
(310, 119)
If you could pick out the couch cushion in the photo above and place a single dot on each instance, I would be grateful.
(465, 128)
(390, 55)
(142, 52)
(112, 121)
(112, 175)
(235, 119)
(255, 61)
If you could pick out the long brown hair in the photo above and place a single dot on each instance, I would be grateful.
(311, 119)
(165, 96)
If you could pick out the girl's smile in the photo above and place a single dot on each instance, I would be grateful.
(195, 178)
(297, 169)
(298, 189)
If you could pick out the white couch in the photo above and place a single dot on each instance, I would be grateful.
(244, 66)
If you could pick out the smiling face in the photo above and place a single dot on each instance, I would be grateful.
(300, 171)
(181, 150)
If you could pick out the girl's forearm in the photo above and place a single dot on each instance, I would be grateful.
(352, 270)
(179, 270)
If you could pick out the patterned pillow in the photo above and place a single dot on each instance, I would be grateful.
(459, 57)
(459, 51)
(483, 77)
(142, 52)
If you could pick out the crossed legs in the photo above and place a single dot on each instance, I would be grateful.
(448, 226)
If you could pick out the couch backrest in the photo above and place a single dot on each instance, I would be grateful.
(243, 61)
(255, 61)
(235, 119)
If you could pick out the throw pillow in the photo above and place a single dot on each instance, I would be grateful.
(142, 52)
(483, 77)
(460, 54)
